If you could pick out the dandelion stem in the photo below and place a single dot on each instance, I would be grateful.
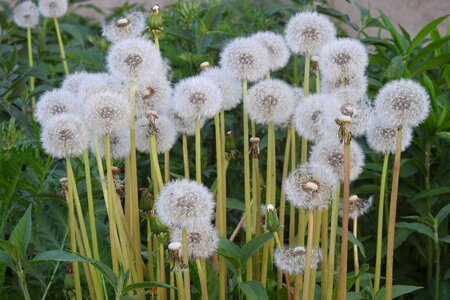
(187, 279)
(308, 260)
(162, 270)
(180, 285)
(166, 166)
(333, 233)
(355, 256)
(155, 162)
(342, 282)
(61, 46)
(316, 240)
(203, 279)
(185, 156)
(392, 216)
(198, 153)
(291, 207)
(256, 190)
(295, 69)
(324, 264)
(31, 64)
(380, 223)
(151, 273)
(221, 206)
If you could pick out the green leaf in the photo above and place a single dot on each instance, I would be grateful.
(398, 290)
(21, 234)
(426, 220)
(431, 192)
(213, 16)
(424, 32)
(397, 38)
(249, 249)
(442, 214)
(13, 251)
(254, 290)
(354, 241)
(380, 42)
(444, 135)
(435, 62)
(146, 284)
(6, 259)
(427, 50)
(230, 251)
(445, 239)
(417, 227)
(395, 68)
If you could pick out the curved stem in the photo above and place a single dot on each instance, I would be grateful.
(392, 217)
(380, 223)
(61, 46)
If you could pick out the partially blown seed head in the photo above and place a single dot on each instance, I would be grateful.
(307, 32)
(229, 86)
(357, 207)
(292, 261)
(329, 151)
(271, 101)
(130, 26)
(164, 129)
(276, 48)
(107, 112)
(53, 8)
(310, 186)
(245, 59)
(153, 93)
(133, 58)
(64, 136)
(382, 138)
(185, 204)
(202, 242)
(56, 102)
(403, 102)
(26, 15)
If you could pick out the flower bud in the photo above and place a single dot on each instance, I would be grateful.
(273, 224)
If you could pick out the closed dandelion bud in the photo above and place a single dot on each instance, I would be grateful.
(292, 261)
(204, 66)
(153, 93)
(53, 8)
(307, 32)
(309, 117)
(119, 143)
(403, 103)
(155, 21)
(197, 97)
(230, 142)
(271, 101)
(357, 207)
(382, 138)
(146, 201)
(132, 58)
(329, 151)
(73, 81)
(229, 86)
(26, 15)
(65, 136)
(54, 103)
(107, 112)
(342, 57)
(202, 241)
(184, 124)
(97, 83)
(130, 26)
(245, 59)
(273, 224)
(276, 46)
(163, 128)
(310, 186)
(185, 204)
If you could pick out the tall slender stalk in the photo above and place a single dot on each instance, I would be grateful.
(324, 264)
(185, 156)
(333, 234)
(316, 241)
(256, 191)
(198, 152)
(162, 270)
(187, 278)
(355, 256)
(31, 64)
(203, 279)
(380, 224)
(392, 216)
(308, 260)
(166, 166)
(61, 46)
(291, 207)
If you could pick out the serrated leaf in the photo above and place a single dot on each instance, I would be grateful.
(442, 214)
(250, 248)
(254, 290)
(20, 237)
(424, 32)
(417, 227)
(146, 284)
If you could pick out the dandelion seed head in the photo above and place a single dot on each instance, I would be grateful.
(292, 261)
(357, 207)
(107, 112)
(271, 101)
(403, 102)
(132, 58)
(197, 97)
(166, 134)
(307, 32)
(382, 138)
(130, 26)
(329, 151)
(153, 93)
(343, 58)
(230, 87)
(310, 186)
(73, 81)
(184, 124)
(64, 136)
(356, 82)
(245, 59)
(26, 15)
(97, 83)
(202, 242)
(56, 102)
(119, 144)
(53, 8)
(185, 204)
(276, 46)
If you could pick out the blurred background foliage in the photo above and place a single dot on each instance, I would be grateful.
(196, 32)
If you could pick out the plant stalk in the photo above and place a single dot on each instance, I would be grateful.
(185, 156)
(61, 46)
(333, 234)
(187, 278)
(308, 260)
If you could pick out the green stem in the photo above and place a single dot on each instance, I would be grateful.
(324, 264)
(166, 166)
(23, 282)
(187, 279)
(31, 64)
(380, 223)
(180, 285)
(316, 241)
(198, 153)
(185, 156)
(61, 46)
(306, 75)
(203, 279)
(162, 270)
(333, 234)
(221, 206)
(155, 162)
(427, 187)
(296, 70)
(355, 256)
(256, 190)
(150, 251)
(438, 262)
(308, 260)
(392, 216)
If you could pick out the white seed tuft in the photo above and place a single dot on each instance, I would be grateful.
(166, 134)
(130, 26)
(292, 261)
(56, 102)
(202, 242)
(53, 8)
(382, 138)
(119, 144)
(153, 93)
(276, 47)
(26, 15)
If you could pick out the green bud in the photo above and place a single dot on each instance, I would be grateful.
(155, 21)
(273, 224)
